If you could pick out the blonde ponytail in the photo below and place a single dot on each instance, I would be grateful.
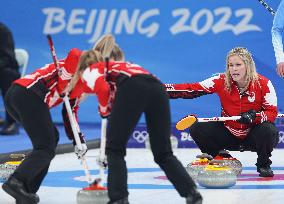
(105, 45)
(108, 48)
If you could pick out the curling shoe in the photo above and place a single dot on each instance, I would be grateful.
(10, 129)
(194, 197)
(16, 189)
(121, 201)
(265, 171)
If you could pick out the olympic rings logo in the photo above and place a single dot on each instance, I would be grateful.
(140, 137)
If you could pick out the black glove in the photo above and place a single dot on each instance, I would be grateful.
(104, 116)
(82, 138)
(247, 117)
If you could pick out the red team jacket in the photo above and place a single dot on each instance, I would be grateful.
(259, 96)
(49, 83)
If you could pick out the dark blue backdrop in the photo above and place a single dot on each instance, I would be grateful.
(177, 40)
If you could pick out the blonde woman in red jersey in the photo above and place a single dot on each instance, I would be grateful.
(242, 91)
(126, 91)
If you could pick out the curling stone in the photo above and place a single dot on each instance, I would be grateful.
(17, 157)
(197, 165)
(174, 142)
(93, 194)
(8, 168)
(228, 160)
(216, 176)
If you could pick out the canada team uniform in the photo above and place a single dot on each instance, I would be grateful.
(124, 89)
(133, 91)
(260, 96)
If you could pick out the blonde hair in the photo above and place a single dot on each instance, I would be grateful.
(108, 48)
(86, 59)
(103, 50)
(245, 55)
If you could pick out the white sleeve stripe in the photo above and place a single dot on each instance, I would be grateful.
(65, 75)
(263, 116)
(40, 77)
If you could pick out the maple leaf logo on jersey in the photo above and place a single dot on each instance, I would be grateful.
(270, 97)
(91, 76)
(251, 97)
